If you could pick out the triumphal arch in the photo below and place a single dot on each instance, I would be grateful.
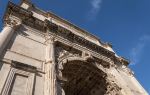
(43, 54)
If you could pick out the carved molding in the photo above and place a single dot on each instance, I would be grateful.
(24, 15)
(65, 56)
(13, 9)
(62, 55)
(50, 39)
(23, 66)
(47, 26)
(31, 21)
(12, 22)
(11, 78)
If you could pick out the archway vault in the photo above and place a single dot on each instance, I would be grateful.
(83, 77)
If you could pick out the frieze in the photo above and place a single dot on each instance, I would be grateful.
(50, 26)
(29, 20)
(58, 30)
(34, 23)
(25, 15)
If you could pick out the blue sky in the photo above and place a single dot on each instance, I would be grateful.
(124, 23)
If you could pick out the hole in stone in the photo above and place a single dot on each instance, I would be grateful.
(90, 78)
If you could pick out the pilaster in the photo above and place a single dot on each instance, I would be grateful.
(50, 70)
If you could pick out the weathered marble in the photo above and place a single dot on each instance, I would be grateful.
(43, 54)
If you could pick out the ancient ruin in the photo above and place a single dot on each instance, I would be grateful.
(43, 54)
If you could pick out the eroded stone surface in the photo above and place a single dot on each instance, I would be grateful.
(42, 54)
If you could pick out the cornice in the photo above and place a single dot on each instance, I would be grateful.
(67, 34)
(13, 9)
(50, 14)
(27, 18)
(20, 65)
(25, 15)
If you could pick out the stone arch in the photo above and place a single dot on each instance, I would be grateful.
(82, 77)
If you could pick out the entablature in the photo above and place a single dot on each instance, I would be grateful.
(47, 26)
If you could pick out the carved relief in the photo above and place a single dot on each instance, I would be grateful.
(112, 86)
(29, 20)
(81, 65)
(12, 21)
(62, 53)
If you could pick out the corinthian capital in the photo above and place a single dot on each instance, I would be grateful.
(50, 39)
(13, 22)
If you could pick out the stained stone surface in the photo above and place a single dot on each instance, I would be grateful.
(19, 85)
(43, 54)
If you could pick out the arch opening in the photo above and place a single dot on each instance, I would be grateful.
(83, 78)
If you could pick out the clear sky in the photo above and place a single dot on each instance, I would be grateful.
(124, 23)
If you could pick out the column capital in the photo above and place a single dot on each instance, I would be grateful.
(50, 40)
(13, 22)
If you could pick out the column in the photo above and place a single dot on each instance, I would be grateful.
(50, 70)
(7, 32)
(61, 80)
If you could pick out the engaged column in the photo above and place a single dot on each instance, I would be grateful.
(6, 34)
